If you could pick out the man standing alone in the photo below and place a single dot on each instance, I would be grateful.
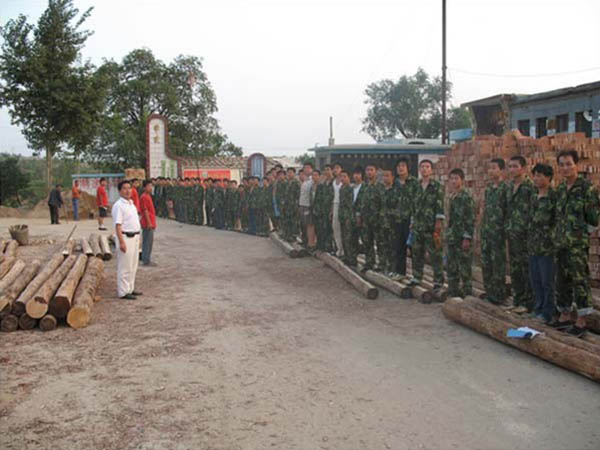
(148, 223)
(55, 201)
(102, 202)
(127, 229)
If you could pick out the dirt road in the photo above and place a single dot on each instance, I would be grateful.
(235, 346)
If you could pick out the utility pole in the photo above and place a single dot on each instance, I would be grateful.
(331, 139)
(444, 124)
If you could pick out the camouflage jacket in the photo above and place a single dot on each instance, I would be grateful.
(540, 236)
(389, 207)
(265, 202)
(577, 211)
(199, 194)
(292, 195)
(461, 218)
(346, 209)
(407, 193)
(253, 198)
(428, 207)
(494, 210)
(369, 202)
(280, 190)
(518, 205)
(323, 200)
(210, 195)
(218, 198)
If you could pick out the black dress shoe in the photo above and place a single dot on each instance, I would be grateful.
(129, 297)
(136, 293)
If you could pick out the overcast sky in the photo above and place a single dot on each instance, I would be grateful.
(280, 68)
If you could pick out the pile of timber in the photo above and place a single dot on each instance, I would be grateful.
(578, 355)
(62, 290)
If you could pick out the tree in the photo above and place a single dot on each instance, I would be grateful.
(409, 107)
(142, 85)
(49, 92)
(12, 179)
(306, 158)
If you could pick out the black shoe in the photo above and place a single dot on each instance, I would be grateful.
(136, 293)
(129, 297)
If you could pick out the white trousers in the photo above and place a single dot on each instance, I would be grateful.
(127, 265)
(337, 230)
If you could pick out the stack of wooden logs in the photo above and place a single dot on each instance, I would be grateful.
(62, 289)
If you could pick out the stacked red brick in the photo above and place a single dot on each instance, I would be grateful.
(473, 157)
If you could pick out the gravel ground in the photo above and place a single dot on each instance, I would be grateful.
(236, 346)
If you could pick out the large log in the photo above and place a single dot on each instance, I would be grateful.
(9, 323)
(287, 248)
(517, 321)
(8, 296)
(11, 276)
(26, 322)
(105, 248)
(68, 247)
(359, 283)
(301, 251)
(95, 244)
(18, 306)
(61, 302)
(384, 282)
(48, 323)
(80, 313)
(572, 358)
(11, 248)
(6, 265)
(3, 243)
(37, 307)
(85, 247)
(592, 321)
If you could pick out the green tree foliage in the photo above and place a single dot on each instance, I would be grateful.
(141, 85)
(49, 91)
(306, 158)
(12, 180)
(409, 107)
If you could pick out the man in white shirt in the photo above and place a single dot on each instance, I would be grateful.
(127, 228)
(336, 225)
(308, 228)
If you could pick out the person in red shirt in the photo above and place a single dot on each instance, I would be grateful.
(135, 184)
(102, 202)
(148, 223)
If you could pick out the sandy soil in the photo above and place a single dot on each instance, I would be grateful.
(235, 346)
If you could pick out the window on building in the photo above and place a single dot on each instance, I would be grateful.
(540, 127)
(523, 126)
(562, 123)
(583, 123)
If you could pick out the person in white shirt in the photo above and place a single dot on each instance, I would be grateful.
(308, 228)
(335, 223)
(127, 228)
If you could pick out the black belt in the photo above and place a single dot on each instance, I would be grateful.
(130, 234)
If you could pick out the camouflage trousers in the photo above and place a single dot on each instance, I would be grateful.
(424, 243)
(572, 279)
(519, 271)
(200, 214)
(386, 246)
(290, 224)
(209, 215)
(370, 235)
(493, 265)
(459, 270)
(350, 234)
(244, 219)
(323, 230)
(190, 213)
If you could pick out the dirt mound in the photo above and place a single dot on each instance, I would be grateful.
(87, 207)
(5, 211)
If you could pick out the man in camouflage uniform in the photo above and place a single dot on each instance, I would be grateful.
(578, 213)
(493, 234)
(518, 206)
(199, 194)
(321, 210)
(369, 209)
(348, 220)
(227, 207)
(280, 193)
(407, 188)
(291, 219)
(209, 200)
(428, 217)
(459, 235)
(541, 243)
(218, 204)
(265, 207)
(386, 243)
(190, 202)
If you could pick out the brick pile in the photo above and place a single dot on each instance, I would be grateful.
(474, 156)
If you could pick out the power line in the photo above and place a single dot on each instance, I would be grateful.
(539, 75)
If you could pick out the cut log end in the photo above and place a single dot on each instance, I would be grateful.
(26, 322)
(36, 307)
(9, 323)
(78, 317)
(372, 293)
(48, 323)
(59, 307)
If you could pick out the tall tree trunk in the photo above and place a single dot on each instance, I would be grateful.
(49, 154)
